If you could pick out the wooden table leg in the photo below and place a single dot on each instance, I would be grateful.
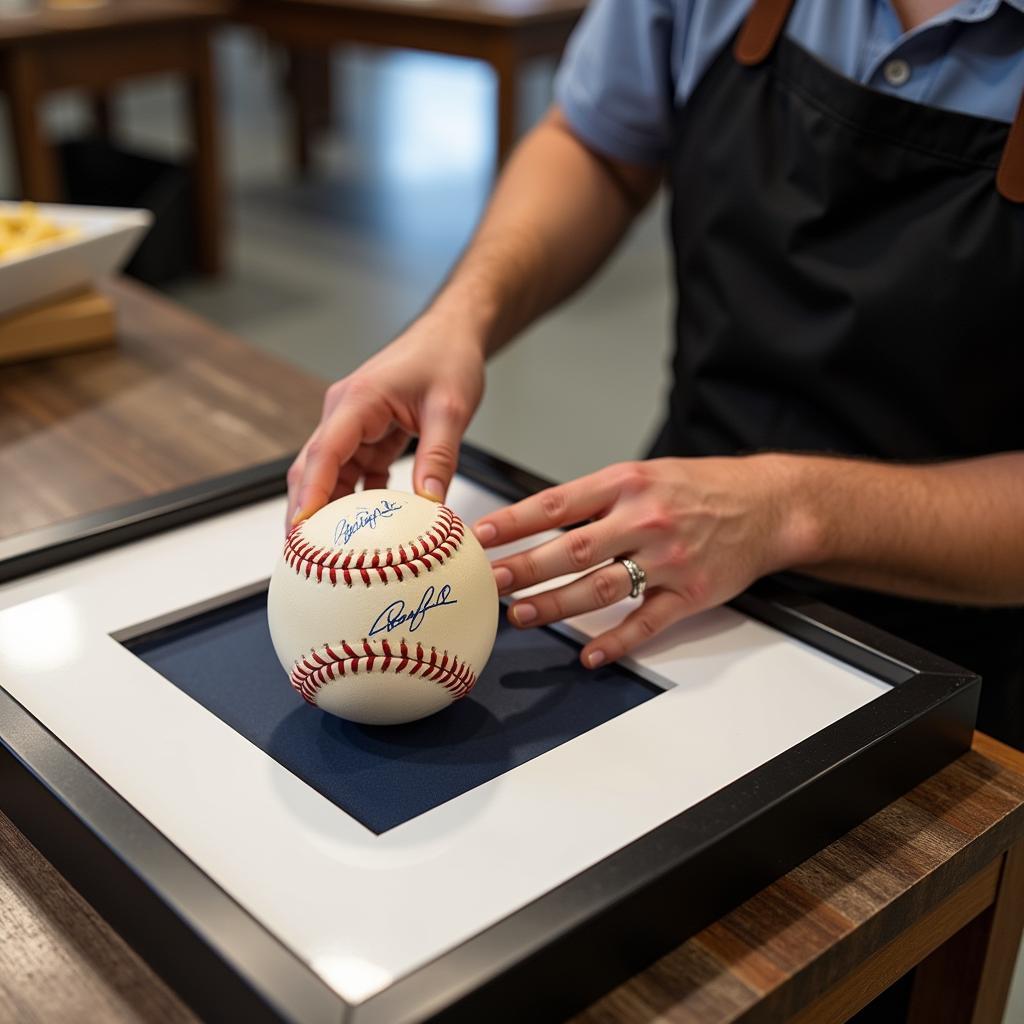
(301, 142)
(37, 164)
(967, 979)
(506, 62)
(309, 93)
(101, 114)
(206, 164)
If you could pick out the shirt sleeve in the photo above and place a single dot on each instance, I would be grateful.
(614, 83)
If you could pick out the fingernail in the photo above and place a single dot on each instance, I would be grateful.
(485, 532)
(595, 658)
(298, 517)
(523, 614)
(433, 489)
(502, 577)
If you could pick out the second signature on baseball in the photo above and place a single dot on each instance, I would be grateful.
(395, 614)
(364, 518)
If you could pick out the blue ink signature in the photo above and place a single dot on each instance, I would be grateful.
(345, 530)
(395, 614)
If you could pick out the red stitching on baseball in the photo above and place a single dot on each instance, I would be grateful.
(320, 667)
(438, 543)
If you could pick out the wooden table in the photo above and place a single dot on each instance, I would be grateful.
(177, 400)
(95, 49)
(936, 879)
(504, 33)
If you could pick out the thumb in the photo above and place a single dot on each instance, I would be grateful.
(443, 423)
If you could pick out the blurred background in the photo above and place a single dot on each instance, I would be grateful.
(324, 265)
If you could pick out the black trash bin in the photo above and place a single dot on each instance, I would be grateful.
(98, 173)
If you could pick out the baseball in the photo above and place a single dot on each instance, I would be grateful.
(382, 608)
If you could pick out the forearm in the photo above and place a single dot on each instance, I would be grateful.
(947, 532)
(556, 214)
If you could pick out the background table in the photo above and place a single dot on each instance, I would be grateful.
(176, 401)
(503, 34)
(95, 49)
(936, 879)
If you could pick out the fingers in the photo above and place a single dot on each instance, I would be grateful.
(294, 477)
(598, 589)
(660, 609)
(374, 460)
(444, 419)
(568, 503)
(336, 440)
(371, 464)
(575, 551)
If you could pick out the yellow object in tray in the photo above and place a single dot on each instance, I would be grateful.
(26, 228)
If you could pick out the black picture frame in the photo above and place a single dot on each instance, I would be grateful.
(567, 947)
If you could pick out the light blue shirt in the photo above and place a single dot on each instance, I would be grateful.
(632, 63)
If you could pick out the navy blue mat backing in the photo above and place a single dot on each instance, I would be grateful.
(532, 697)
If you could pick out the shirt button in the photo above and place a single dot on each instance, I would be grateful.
(896, 72)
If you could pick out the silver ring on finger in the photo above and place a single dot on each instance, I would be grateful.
(637, 577)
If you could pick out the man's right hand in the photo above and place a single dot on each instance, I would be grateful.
(558, 211)
(428, 382)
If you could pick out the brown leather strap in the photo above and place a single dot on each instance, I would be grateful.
(761, 30)
(1010, 176)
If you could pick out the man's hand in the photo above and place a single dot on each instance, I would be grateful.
(427, 382)
(558, 211)
(701, 529)
(704, 529)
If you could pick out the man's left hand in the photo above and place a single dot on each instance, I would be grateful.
(701, 529)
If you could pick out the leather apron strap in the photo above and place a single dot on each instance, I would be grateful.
(761, 30)
(1010, 176)
(760, 33)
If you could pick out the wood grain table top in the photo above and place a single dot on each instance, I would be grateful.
(803, 934)
(175, 401)
(114, 15)
(504, 13)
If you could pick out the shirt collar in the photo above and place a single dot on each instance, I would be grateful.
(975, 10)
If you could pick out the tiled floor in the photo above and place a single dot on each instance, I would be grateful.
(325, 272)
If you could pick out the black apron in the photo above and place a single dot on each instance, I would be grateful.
(850, 281)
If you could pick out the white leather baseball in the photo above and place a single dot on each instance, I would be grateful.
(382, 607)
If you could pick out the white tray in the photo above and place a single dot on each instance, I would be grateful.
(105, 239)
